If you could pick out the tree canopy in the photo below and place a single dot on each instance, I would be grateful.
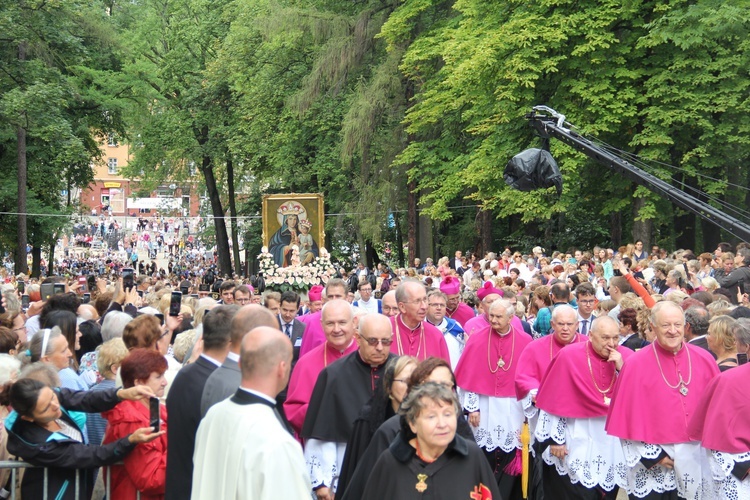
(402, 113)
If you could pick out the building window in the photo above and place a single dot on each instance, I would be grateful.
(111, 140)
(112, 165)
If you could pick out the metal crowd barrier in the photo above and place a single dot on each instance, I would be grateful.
(14, 465)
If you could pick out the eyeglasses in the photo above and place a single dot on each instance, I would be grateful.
(587, 302)
(416, 301)
(437, 306)
(374, 342)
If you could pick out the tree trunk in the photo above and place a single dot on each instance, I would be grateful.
(51, 262)
(615, 228)
(233, 217)
(641, 228)
(36, 261)
(372, 257)
(222, 240)
(21, 232)
(425, 243)
(485, 232)
(399, 239)
(411, 221)
(684, 224)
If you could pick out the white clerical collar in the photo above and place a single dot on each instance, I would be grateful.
(233, 356)
(624, 339)
(210, 359)
(259, 394)
(440, 326)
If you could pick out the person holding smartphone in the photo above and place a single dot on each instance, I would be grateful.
(143, 470)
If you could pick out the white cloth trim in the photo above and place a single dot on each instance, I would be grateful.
(210, 359)
(324, 460)
(594, 457)
(689, 476)
(500, 421)
(726, 484)
(455, 346)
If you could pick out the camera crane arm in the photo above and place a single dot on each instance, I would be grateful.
(550, 123)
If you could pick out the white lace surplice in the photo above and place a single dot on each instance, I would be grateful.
(689, 477)
(323, 460)
(727, 485)
(500, 421)
(594, 457)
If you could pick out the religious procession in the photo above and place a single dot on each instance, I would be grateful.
(374, 250)
(585, 374)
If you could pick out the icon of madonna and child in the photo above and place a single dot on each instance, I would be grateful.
(295, 230)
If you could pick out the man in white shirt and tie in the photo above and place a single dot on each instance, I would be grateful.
(586, 299)
(293, 328)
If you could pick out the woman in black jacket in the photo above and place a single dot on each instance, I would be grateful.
(42, 433)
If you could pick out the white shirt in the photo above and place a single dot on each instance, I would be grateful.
(588, 320)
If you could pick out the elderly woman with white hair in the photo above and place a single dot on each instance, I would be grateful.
(112, 328)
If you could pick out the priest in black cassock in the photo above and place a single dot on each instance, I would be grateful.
(339, 394)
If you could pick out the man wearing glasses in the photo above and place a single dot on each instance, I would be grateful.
(586, 298)
(342, 389)
(412, 335)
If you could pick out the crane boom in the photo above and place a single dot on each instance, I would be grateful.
(550, 123)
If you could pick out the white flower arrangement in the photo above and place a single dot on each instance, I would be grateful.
(296, 277)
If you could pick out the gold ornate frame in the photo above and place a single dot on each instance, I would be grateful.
(313, 204)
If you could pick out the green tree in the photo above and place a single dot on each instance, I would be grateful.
(55, 59)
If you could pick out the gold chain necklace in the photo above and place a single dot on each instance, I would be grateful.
(500, 362)
(682, 384)
(593, 379)
(420, 343)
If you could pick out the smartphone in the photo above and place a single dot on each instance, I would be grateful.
(195, 296)
(140, 293)
(741, 358)
(128, 278)
(160, 317)
(82, 284)
(91, 282)
(25, 302)
(184, 290)
(86, 298)
(175, 303)
(21, 287)
(153, 409)
(58, 288)
(47, 290)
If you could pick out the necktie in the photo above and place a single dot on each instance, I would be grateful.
(584, 327)
(288, 330)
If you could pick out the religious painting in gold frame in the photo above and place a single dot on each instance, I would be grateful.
(293, 219)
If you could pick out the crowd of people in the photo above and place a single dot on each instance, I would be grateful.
(571, 375)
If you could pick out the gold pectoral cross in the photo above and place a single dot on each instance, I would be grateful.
(500, 362)
(421, 485)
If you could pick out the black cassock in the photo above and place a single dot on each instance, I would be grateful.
(379, 443)
(461, 471)
(340, 392)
